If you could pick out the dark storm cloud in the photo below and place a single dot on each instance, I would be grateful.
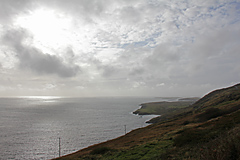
(33, 59)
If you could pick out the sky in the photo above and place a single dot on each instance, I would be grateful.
(89, 48)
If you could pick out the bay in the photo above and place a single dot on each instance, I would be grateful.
(30, 127)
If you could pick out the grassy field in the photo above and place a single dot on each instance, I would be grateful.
(159, 108)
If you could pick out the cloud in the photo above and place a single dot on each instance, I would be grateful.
(130, 15)
(33, 59)
(163, 53)
(212, 57)
(11, 8)
(129, 46)
(160, 84)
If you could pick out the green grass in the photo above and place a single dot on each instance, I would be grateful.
(159, 108)
(216, 138)
(150, 150)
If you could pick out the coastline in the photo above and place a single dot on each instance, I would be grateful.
(148, 123)
(189, 133)
(164, 107)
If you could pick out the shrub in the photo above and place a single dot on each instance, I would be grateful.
(101, 150)
(226, 146)
(209, 114)
(186, 122)
(191, 136)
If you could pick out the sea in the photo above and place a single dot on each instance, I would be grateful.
(46, 127)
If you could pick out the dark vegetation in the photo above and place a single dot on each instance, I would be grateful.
(209, 129)
(101, 150)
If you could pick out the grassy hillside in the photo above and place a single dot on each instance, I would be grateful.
(208, 129)
(165, 109)
(159, 108)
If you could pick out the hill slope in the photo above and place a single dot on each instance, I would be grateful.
(163, 107)
(219, 96)
(196, 132)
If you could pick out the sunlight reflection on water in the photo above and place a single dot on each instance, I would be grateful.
(30, 127)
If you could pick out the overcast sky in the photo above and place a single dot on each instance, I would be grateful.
(118, 47)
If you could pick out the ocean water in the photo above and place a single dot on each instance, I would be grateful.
(30, 127)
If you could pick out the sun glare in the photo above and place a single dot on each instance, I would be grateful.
(40, 97)
(47, 26)
(54, 31)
